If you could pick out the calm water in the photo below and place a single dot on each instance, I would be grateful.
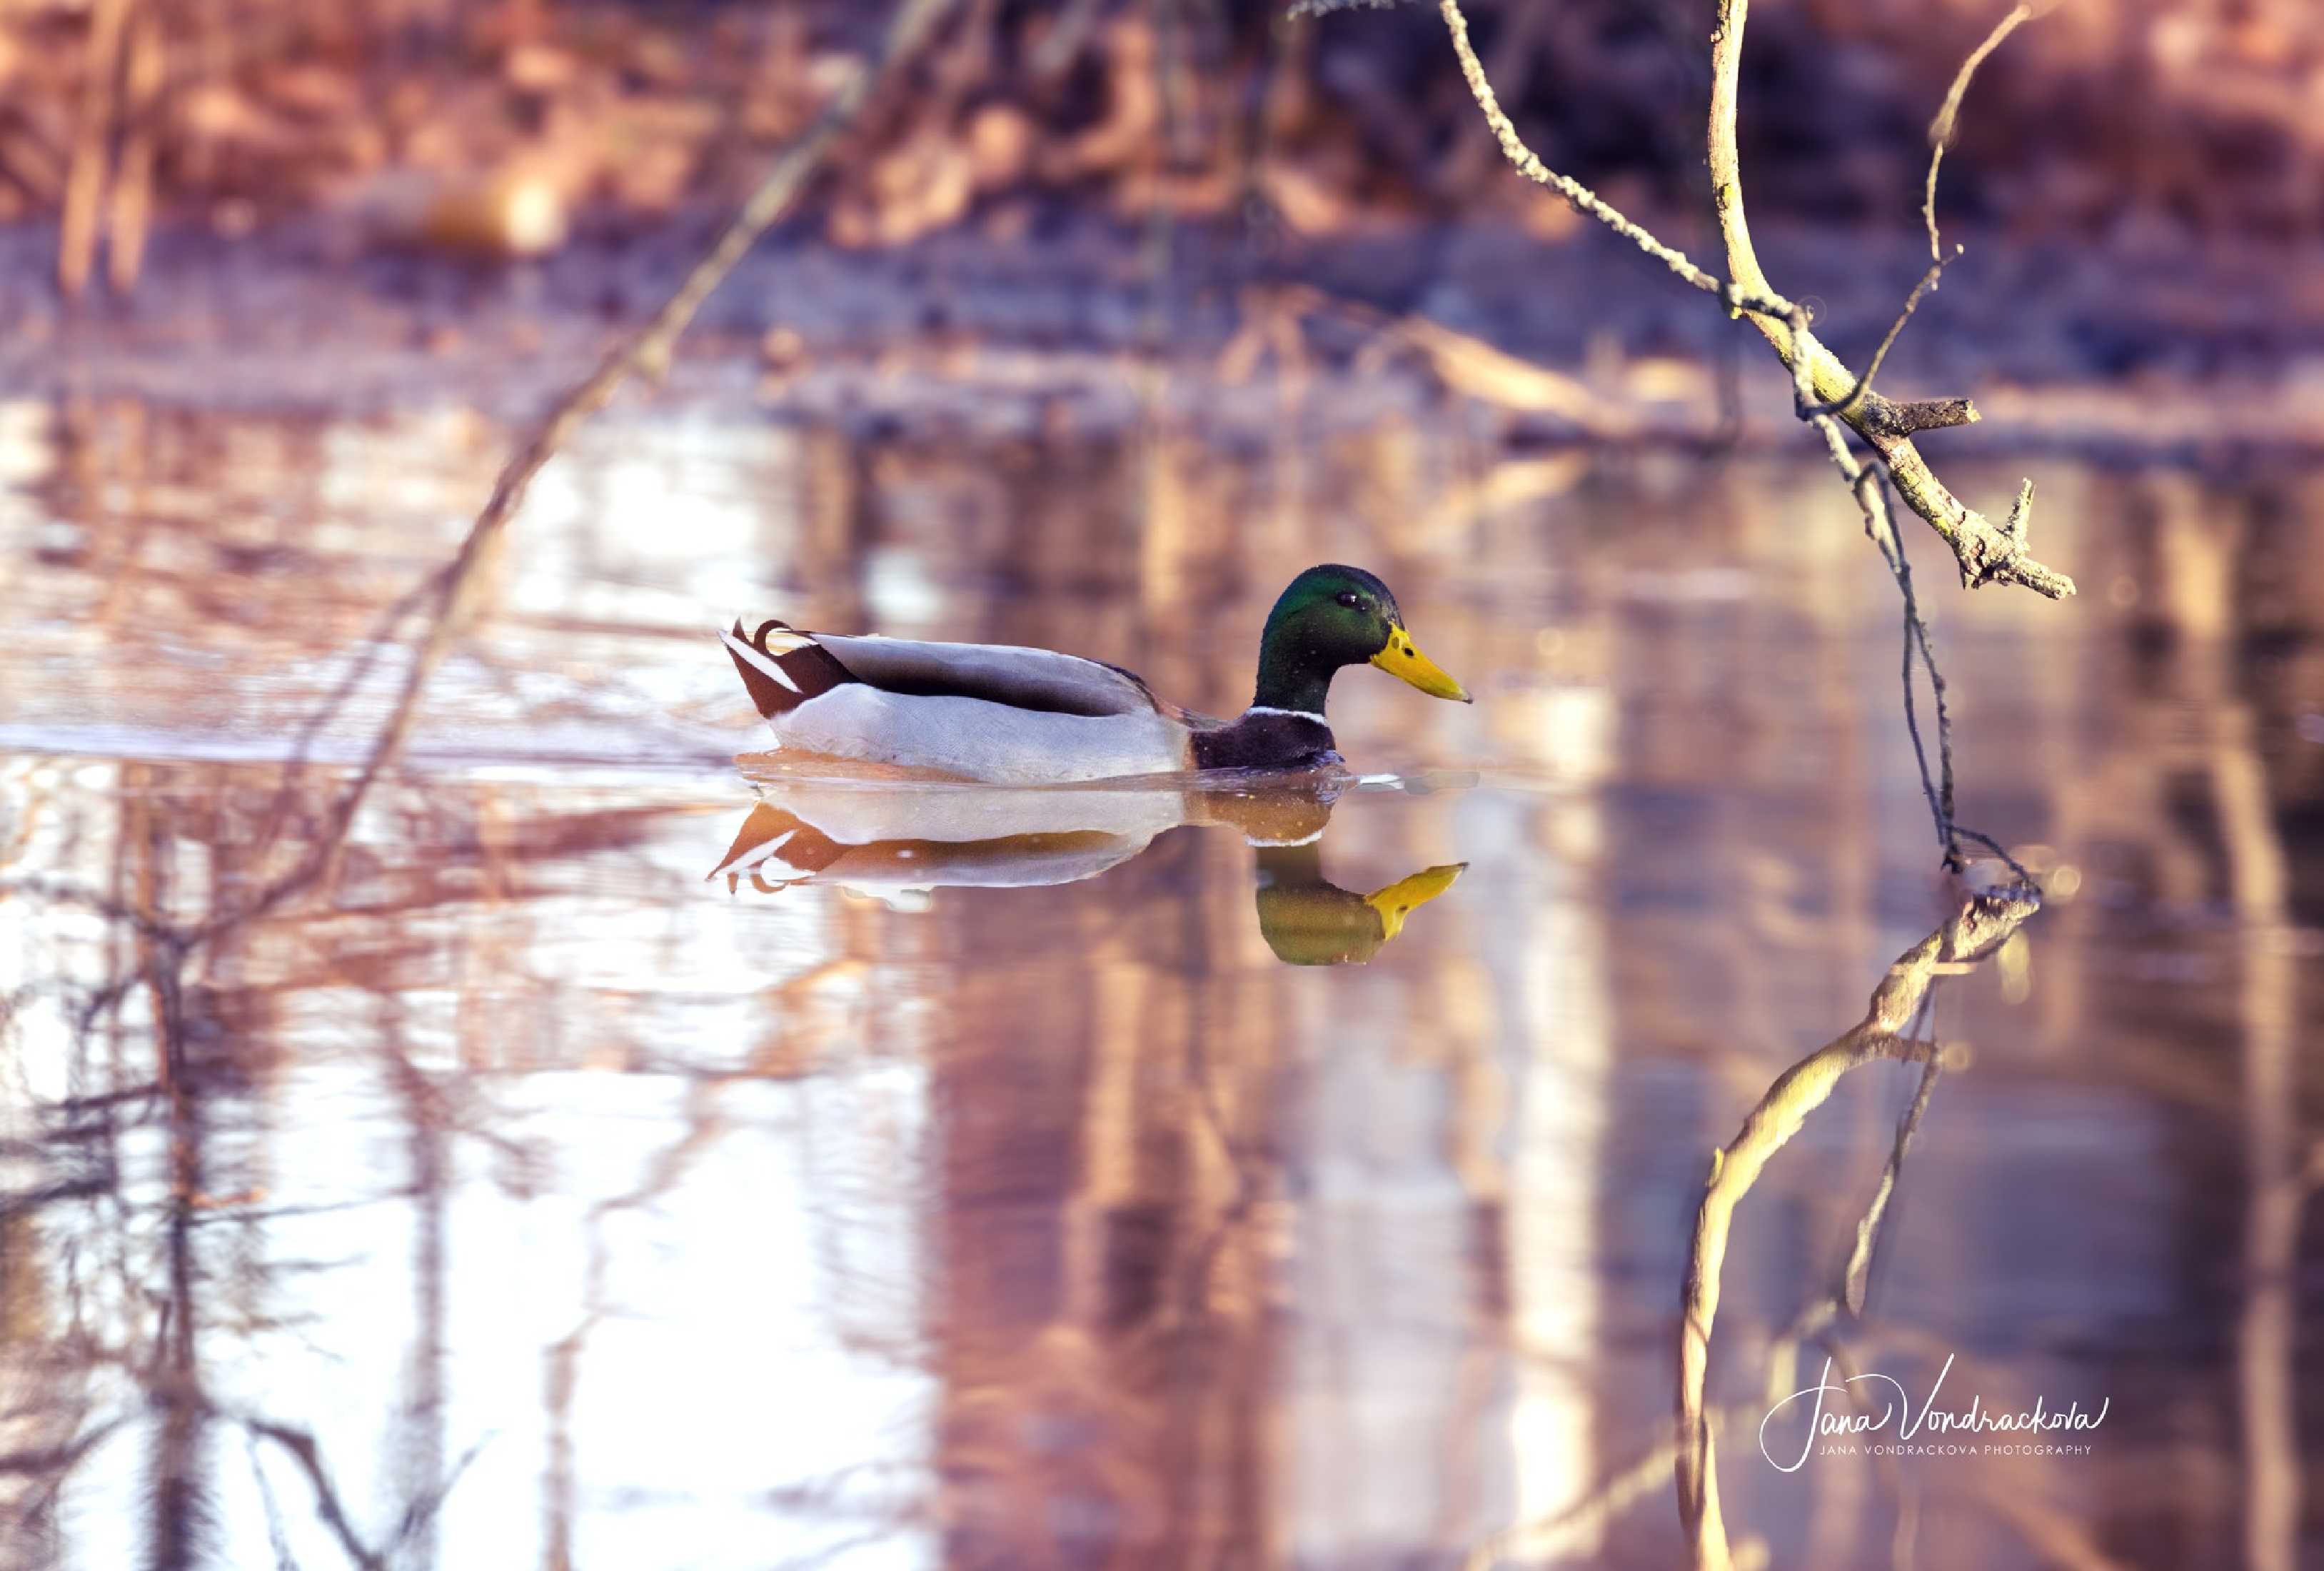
(634, 1159)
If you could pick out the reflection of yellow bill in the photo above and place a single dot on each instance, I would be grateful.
(1405, 895)
(1402, 658)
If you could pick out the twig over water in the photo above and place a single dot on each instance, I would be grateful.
(1583, 198)
(1988, 553)
(449, 596)
(1940, 129)
(1880, 527)
(1825, 392)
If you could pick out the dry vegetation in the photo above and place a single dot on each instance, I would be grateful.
(503, 125)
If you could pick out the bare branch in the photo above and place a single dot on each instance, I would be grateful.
(1855, 398)
(1583, 198)
(1931, 413)
(1940, 129)
(1987, 555)
(1880, 528)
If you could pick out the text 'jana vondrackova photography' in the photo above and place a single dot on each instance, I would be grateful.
(1161, 785)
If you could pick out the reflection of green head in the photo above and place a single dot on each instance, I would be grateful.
(1307, 921)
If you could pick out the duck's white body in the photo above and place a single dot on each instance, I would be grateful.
(977, 739)
(995, 713)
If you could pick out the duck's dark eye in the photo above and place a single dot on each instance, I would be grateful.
(1350, 599)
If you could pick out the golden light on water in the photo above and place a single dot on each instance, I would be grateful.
(1027, 1162)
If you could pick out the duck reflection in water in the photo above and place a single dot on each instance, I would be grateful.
(1308, 920)
(898, 842)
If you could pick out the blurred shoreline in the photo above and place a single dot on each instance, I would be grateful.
(2157, 351)
(1101, 215)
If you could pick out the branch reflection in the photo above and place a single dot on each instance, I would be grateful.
(1979, 928)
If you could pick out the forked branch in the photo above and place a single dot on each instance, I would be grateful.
(1988, 552)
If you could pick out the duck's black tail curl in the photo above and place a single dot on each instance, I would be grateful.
(782, 667)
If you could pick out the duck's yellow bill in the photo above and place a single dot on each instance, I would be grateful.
(1405, 895)
(1402, 658)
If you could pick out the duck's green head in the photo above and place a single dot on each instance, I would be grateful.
(1332, 616)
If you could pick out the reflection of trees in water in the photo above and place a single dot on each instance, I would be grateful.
(139, 1252)
(1121, 1260)
(2188, 795)
(441, 894)
(1107, 1336)
(2201, 551)
(1144, 1158)
(2177, 798)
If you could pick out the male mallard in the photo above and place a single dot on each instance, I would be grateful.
(994, 712)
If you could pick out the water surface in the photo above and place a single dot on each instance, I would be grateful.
(548, 1187)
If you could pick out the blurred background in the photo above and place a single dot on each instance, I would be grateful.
(560, 1181)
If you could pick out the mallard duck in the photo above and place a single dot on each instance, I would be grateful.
(1030, 716)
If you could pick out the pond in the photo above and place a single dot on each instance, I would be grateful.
(633, 1153)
